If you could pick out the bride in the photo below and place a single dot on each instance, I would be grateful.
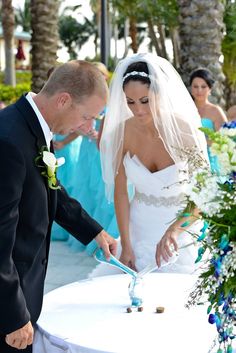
(150, 118)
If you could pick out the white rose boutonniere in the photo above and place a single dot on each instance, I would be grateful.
(49, 163)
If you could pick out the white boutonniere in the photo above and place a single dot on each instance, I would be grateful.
(49, 163)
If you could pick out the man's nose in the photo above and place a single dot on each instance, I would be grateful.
(88, 125)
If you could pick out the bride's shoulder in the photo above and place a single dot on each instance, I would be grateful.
(130, 125)
(129, 135)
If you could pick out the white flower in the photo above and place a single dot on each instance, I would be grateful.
(228, 132)
(51, 162)
(204, 191)
(48, 164)
(60, 161)
(233, 159)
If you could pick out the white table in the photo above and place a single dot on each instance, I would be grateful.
(90, 316)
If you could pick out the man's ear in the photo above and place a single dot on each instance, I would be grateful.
(64, 100)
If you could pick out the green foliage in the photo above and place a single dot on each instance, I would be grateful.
(162, 11)
(74, 34)
(9, 94)
(21, 77)
(23, 16)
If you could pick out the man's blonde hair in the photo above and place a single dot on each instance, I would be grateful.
(79, 78)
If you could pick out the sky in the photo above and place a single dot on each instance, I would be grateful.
(85, 4)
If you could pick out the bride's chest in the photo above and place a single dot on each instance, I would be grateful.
(152, 155)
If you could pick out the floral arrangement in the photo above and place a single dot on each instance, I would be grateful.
(214, 194)
(49, 164)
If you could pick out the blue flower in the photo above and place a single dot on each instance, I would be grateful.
(224, 241)
(230, 125)
(202, 236)
(217, 264)
(212, 318)
(200, 253)
(224, 336)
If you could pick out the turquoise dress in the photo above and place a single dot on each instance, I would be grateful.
(206, 122)
(91, 192)
(68, 176)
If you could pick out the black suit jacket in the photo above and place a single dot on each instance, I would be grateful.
(27, 210)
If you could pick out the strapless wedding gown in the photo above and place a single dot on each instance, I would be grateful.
(158, 197)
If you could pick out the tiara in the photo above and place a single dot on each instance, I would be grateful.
(136, 73)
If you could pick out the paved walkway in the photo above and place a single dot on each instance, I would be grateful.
(66, 266)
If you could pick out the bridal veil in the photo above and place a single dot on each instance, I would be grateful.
(174, 113)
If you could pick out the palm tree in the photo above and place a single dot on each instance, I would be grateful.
(8, 23)
(130, 9)
(44, 41)
(201, 32)
(162, 20)
(96, 8)
(22, 16)
(72, 33)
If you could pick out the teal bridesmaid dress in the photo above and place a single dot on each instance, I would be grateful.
(68, 176)
(206, 122)
(91, 192)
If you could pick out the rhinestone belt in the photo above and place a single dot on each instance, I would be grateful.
(151, 200)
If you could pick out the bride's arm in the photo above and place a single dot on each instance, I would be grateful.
(121, 200)
(170, 237)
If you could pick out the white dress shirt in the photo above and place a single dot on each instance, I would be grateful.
(46, 130)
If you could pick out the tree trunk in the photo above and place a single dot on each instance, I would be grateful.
(201, 33)
(126, 30)
(44, 41)
(153, 37)
(133, 34)
(161, 31)
(174, 35)
(8, 22)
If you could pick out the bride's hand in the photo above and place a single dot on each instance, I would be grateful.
(168, 241)
(127, 258)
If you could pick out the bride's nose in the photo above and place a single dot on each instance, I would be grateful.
(139, 109)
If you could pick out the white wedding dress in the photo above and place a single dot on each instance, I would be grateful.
(158, 197)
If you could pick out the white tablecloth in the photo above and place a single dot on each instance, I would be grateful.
(90, 316)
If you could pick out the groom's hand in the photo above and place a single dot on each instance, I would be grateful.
(107, 243)
(22, 337)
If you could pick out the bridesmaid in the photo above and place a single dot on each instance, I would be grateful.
(69, 148)
(212, 115)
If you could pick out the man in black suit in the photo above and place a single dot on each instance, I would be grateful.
(29, 198)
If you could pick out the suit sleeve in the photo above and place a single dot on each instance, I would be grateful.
(13, 310)
(72, 217)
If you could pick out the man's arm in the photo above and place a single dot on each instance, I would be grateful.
(72, 217)
(13, 310)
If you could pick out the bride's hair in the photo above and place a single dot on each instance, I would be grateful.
(137, 72)
(174, 113)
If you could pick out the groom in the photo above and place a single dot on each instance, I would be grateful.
(70, 100)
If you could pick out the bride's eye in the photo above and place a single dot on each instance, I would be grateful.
(144, 101)
(130, 102)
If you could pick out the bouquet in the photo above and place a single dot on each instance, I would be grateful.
(214, 194)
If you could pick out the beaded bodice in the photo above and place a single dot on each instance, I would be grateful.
(162, 188)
